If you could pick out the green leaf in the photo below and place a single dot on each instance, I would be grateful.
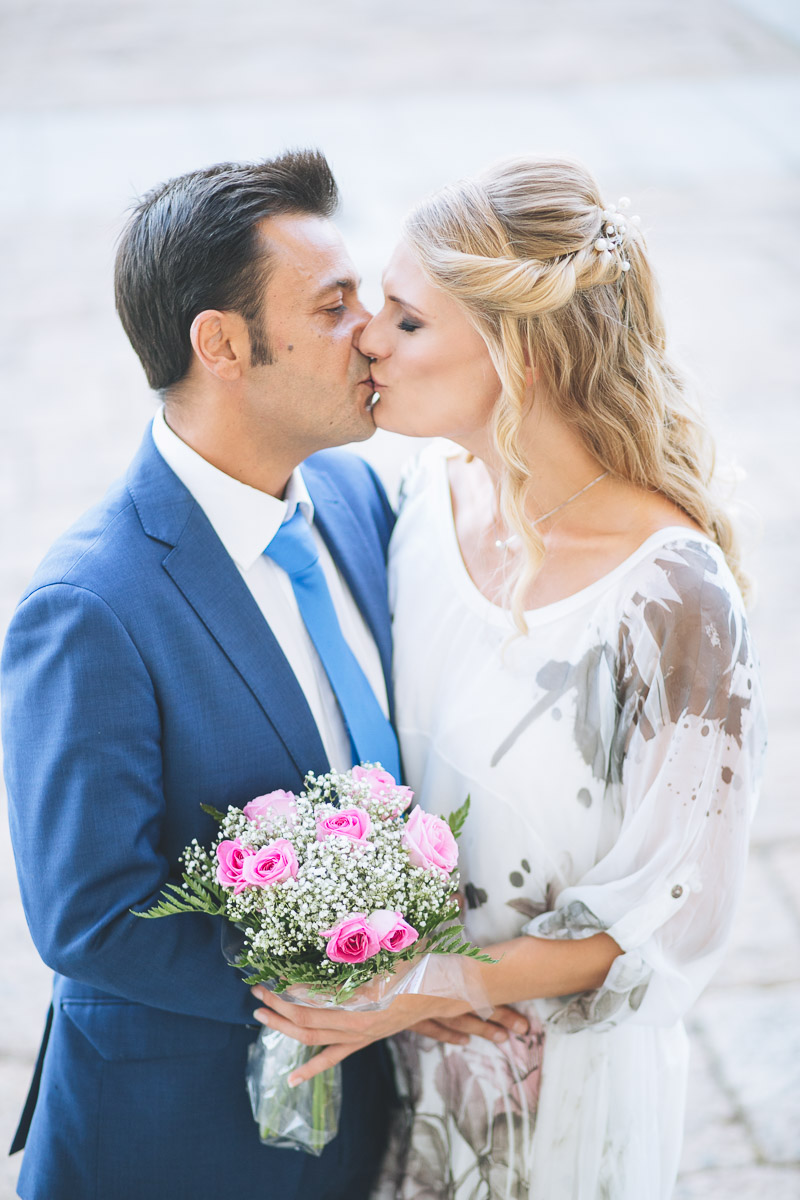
(213, 812)
(196, 896)
(450, 939)
(457, 819)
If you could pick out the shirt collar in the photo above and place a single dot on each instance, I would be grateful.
(244, 519)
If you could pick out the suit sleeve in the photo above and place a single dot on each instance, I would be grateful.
(82, 756)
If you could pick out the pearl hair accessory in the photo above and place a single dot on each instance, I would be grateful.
(614, 228)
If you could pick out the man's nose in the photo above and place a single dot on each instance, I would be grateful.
(363, 317)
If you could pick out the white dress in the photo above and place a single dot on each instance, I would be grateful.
(612, 758)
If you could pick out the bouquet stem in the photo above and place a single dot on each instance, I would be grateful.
(302, 1118)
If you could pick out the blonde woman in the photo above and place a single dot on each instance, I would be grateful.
(571, 650)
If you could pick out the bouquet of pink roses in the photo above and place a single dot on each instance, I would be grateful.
(331, 891)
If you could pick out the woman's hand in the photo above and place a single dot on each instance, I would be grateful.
(342, 1033)
(325, 1026)
(558, 968)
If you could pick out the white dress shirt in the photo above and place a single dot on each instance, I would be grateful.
(245, 520)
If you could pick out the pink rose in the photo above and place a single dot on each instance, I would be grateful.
(351, 940)
(231, 856)
(347, 822)
(393, 931)
(430, 842)
(272, 864)
(382, 786)
(273, 804)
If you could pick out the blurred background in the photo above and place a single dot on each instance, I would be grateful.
(690, 107)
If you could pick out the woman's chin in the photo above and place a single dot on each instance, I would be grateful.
(399, 428)
(385, 419)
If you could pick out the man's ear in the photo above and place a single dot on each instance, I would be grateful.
(221, 343)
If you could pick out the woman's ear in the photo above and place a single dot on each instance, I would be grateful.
(219, 339)
(530, 373)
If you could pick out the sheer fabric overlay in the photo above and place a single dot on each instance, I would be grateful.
(612, 757)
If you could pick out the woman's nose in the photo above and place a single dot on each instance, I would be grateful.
(368, 340)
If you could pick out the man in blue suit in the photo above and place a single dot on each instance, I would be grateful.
(159, 661)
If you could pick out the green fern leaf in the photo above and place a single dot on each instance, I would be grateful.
(457, 819)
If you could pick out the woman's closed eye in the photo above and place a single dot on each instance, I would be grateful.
(408, 326)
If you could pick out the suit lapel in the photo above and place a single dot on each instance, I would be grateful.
(209, 581)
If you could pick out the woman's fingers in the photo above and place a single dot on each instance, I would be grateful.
(341, 1025)
(349, 1024)
(309, 1036)
(326, 1058)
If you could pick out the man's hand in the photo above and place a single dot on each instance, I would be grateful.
(458, 1030)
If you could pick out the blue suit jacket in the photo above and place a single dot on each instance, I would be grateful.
(140, 681)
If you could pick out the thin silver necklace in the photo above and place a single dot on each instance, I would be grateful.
(503, 544)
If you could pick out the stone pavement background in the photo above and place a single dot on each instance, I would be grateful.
(689, 107)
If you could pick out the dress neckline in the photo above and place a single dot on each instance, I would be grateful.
(475, 598)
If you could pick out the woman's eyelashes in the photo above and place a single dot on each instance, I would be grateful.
(408, 326)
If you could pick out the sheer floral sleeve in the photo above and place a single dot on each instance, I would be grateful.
(683, 766)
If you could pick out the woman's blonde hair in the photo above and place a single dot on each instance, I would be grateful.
(517, 248)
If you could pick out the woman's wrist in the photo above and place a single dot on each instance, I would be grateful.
(531, 968)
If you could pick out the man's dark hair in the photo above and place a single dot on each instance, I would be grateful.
(192, 243)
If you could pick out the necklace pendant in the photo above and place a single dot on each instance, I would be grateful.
(503, 545)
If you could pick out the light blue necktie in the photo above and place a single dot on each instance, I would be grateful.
(372, 738)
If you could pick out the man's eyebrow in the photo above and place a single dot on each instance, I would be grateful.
(348, 284)
(405, 304)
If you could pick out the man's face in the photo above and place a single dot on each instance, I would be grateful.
(314, 393)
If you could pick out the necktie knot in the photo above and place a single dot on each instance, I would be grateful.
(293, 546)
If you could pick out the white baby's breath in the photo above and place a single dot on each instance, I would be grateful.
(283, 925)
